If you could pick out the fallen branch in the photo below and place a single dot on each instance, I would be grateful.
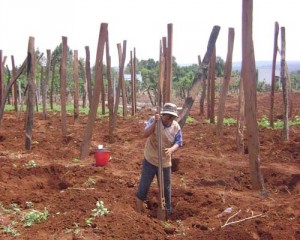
(239, 221)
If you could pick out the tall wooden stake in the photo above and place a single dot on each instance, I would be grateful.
(84, 150)
(249, 81)
(275, 49)
(285, 91)
(31, 65)
(225, 85)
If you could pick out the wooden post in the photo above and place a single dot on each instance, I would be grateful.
(275, 49)
(133, 87)
(76, 86)
(45, 84)
(83, 74)
(52, 84)
(110, 94)
(31, 67)
(169, 62)
(203, 92)
(212, 85)
(134, 74)
(241, 120)
(63, 87)
(122, 57)
(88, 75)
(197, 79)
(84, 149)
(285, 91)
(249, 81)
(14, 86)
(226, 81)
(11, 82)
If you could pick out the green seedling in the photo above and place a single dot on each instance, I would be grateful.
(90, 182)
(10, 229)
(35, 216)
(31, 164)
(100, 209)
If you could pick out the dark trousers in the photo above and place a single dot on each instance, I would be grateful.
(148, 173)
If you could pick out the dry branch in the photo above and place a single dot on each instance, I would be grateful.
(227, 223)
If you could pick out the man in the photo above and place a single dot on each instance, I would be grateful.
(171, 140)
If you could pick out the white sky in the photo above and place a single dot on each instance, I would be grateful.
(143, 24)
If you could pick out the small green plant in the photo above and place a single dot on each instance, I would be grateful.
(34, 216)
(278, 124)
(89, 221)
(100, 209)
(13, 208)
(190, 119)
(226, 121)
(10, 229)
(229, 121)
(73, 230)
(90, 182)
(31, 164)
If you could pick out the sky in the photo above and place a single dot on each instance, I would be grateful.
(143, 24)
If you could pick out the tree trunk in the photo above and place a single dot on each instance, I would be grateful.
(14, 86)
(283, 77)
(63, 87)
(122, 57)
(227, 75)
(249, 81)
(110, 95)
(52, 85)
(169, 59)
(212, 86)
(31, 67)
(45, 85)
(133, 84)
(197, 80)
(84, 150)
(76, 87)
(88, 75)
(241, 120)
(11, 82)
(203, 92)
(275, 49)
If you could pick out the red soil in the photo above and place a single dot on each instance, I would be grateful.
(210, 176)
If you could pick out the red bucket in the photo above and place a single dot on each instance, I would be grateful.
(102, 157)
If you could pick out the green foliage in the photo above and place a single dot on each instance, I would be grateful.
(98, 211)
(229, 121)
(31, 164)
(190, 120)
(34, 216)
(220, 65)
(90, 182)
(226, 121)
(295, 80)
(13, 208)
(74, 230)
(278, 124)
(10, 229)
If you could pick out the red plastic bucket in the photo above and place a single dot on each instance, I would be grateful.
(102, 157)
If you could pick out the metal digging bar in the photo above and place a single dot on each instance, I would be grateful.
(161, 211)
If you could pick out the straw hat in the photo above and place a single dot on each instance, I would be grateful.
(169, 108)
